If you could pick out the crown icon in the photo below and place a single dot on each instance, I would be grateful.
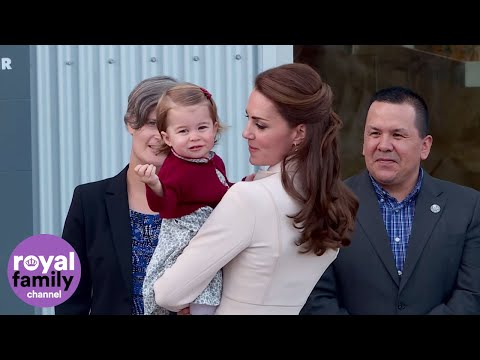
(31, 262)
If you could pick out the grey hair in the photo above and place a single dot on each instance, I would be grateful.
(144, 97)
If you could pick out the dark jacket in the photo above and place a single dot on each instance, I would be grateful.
(442, 267)
(98, 228)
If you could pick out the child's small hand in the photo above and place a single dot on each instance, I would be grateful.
(184, 311)
(147, 174)
(249, 177)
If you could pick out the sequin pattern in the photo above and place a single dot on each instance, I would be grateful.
(145, 230)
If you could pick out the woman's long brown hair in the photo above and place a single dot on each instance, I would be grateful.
(328, 207)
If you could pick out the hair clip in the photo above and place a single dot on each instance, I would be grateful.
(207, 94)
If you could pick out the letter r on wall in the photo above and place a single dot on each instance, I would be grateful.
(6, 64)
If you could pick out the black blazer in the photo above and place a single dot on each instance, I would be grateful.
(98, 228)
(442, 267)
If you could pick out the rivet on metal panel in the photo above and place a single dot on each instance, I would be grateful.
(111, 61)
(238, 56)
(196, 58)
(153, 59)
(69, 62)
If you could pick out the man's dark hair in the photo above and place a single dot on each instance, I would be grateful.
(401, 95)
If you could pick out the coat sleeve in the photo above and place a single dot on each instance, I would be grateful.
(465, 299)
(171, 183)
(74, 233)
(227, 231)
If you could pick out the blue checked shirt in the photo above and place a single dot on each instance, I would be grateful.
(398, 219)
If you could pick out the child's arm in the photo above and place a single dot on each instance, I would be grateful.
(148, 175)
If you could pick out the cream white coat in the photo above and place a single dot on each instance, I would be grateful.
(251, 238)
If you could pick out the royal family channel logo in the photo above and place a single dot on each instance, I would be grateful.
(44, 270)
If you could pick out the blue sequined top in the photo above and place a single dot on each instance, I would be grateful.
(145, 230)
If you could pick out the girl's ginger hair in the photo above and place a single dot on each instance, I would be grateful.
(185, 94)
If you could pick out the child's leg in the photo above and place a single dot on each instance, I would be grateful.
(202, 309)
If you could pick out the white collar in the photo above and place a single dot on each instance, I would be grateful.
(274, 169)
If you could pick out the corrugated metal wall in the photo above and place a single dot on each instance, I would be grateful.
(79, 98)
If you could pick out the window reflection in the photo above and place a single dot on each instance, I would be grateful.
(448, 78)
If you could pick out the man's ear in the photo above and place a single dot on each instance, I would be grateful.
(426, 146)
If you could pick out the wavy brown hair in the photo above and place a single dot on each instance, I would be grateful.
(185, 94)
(328, 207)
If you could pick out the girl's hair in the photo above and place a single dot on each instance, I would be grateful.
(143, 99)
(185, 94)
(328, 207)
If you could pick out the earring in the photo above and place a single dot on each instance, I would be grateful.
(295, 147)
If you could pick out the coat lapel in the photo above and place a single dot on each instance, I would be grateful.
(370, 219)
(424, 222)
(116, 198)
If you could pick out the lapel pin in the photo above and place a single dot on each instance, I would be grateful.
(435, 208)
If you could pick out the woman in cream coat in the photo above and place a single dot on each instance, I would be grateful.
(274, 236)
